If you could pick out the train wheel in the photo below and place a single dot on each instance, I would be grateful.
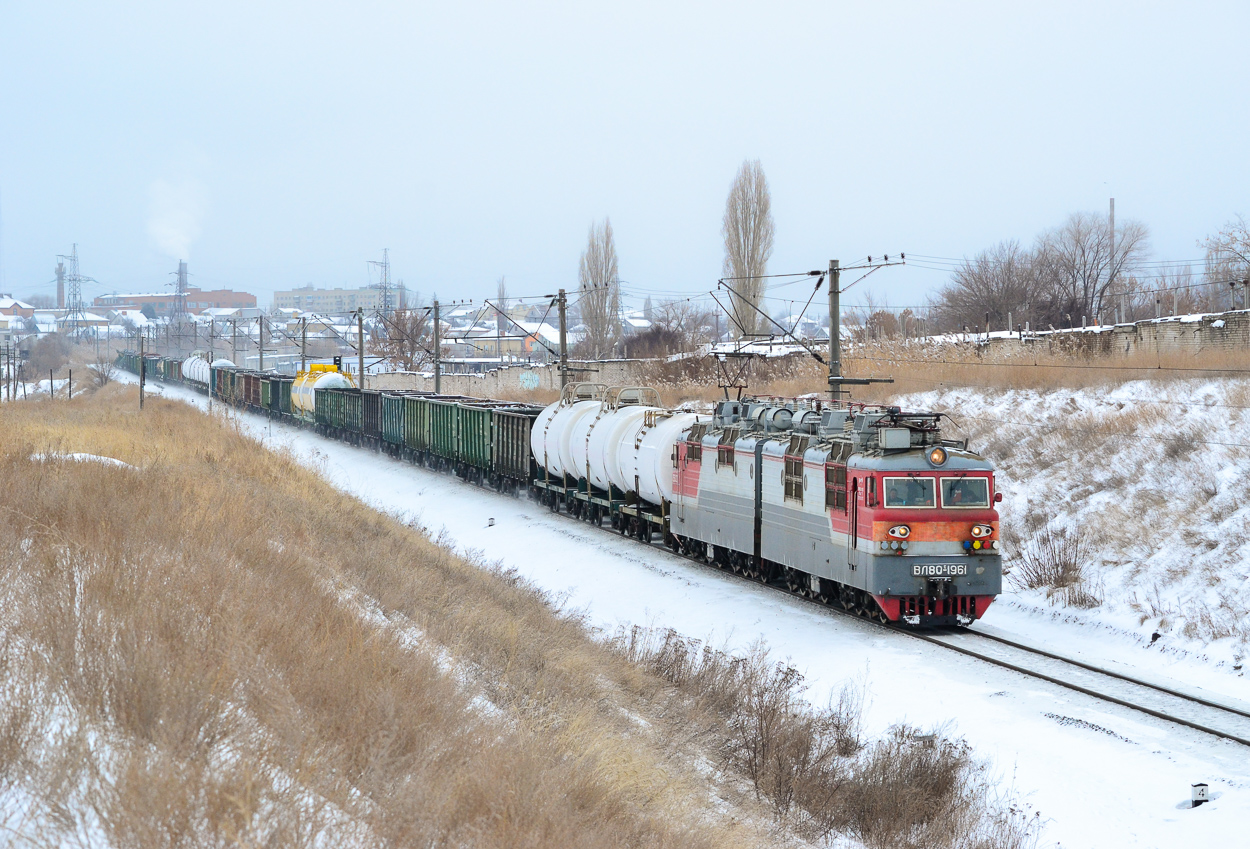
(797, 582)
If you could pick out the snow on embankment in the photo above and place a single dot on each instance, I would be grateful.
(1131, 503)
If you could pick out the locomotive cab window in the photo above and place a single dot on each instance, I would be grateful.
(909, 492)
(965, 492)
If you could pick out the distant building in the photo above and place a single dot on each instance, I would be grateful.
(332, 301)
(162, 303)
(11, 306)
(12, 327)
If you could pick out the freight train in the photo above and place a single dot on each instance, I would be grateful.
(868, 508)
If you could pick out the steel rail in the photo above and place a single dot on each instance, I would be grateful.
(1177, 693)
(1033, 673)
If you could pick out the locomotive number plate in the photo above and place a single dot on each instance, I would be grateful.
(936, 570)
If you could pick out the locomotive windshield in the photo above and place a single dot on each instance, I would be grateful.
(965, 492)
(909, 492)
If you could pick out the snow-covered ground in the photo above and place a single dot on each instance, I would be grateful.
(1099, 775)
(1154, 478)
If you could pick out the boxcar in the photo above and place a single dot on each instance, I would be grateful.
(338, 412)
(391, 419)
(444, 433)
(393, 412)
(473, 438)
(417, 425)
(280, 394)
(510, 444)
(371, 416)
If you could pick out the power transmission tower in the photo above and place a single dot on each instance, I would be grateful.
(385, 304)
(180, 292)
(76, 317)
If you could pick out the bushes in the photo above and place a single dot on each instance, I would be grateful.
(812, 764)
(1055, 561)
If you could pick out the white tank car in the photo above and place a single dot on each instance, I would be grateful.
(655, 456)
(551, 436)
(603, 443)
(559, 436)
(538, 440)
(195, 369)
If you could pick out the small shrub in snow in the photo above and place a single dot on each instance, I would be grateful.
(1055, 562)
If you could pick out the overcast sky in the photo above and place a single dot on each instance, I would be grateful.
(274, 145)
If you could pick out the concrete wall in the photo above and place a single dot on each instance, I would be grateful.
(1228, 331)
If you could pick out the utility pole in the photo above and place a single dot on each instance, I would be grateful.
(303, 343)
(438, 358)
(234, 341)
(360, 344)
(562, 302)
(835, 330)
(260, 332)
(1111, 271)
(142, 372)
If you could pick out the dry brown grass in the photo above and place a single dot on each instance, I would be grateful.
(217, 648)
(906, 790)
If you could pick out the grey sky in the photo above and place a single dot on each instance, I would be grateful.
(273, 145)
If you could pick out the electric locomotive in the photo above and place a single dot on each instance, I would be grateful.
(866, 507)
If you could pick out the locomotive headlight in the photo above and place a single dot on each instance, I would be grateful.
(899, 532)
(981, 531)
(937, 456)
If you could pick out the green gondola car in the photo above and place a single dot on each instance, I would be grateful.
(511, 456)
(473, 437)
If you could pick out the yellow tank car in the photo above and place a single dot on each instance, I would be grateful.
(303, 397)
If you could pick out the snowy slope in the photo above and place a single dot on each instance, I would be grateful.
(1153, 477)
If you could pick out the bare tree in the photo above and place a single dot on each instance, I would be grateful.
(687, 323)
(1080, 269)
(402, 339)
(1228, 262)
(748, 231)
(103, 369)
(599, 300)
(1074, 271)
(996, 280)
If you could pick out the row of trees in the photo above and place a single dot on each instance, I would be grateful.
(747, 229)
(1083, 271)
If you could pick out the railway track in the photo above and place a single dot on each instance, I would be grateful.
(1220, 718)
